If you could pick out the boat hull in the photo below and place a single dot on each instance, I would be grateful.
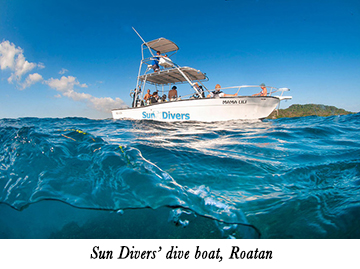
(205, 110)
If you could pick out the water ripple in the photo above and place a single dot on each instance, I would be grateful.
(290, 178)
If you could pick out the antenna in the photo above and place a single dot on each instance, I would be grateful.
(138, 35)
(143, 40)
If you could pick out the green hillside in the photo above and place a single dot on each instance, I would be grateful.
(308, 110)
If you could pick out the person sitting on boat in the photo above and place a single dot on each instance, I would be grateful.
(154, 98)
(147, 96)
(155, 62)
(173, 94)
(165, 61)
(200, 90)
(217, 93)
(263, 91)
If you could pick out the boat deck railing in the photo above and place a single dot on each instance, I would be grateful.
(271, 89)
(238, 89)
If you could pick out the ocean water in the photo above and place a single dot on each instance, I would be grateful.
(83, 178)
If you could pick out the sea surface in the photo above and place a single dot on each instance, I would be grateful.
(83, 178)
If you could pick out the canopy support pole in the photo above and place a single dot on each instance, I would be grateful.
(189, 81)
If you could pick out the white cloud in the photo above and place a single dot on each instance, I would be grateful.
(40, 65)
(106, 104)
(7, 55)
(66, 86)
(63, 71)
(13, 58)
(31, 79)
(77, 96)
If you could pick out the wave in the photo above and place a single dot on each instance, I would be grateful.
(83, 170)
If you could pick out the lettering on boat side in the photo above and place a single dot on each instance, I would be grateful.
(234, 102)
(148, 115)
(166, 115)
(178, 116)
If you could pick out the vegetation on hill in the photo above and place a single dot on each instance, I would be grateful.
(308, 110)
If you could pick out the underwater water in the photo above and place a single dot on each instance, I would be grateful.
(83, 178)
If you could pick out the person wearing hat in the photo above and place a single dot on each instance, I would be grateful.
(173, 94)
(263, 91)
(218, 93)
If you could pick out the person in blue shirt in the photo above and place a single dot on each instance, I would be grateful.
(155, 62)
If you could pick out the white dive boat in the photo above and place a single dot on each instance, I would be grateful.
(195, 106)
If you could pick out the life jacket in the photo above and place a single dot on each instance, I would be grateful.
(216, 93)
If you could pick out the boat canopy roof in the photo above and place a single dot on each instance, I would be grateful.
(172, 76)
(162, 44)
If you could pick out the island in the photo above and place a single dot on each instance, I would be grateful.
(307, 110)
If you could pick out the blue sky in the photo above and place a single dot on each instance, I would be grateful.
(81, 58)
